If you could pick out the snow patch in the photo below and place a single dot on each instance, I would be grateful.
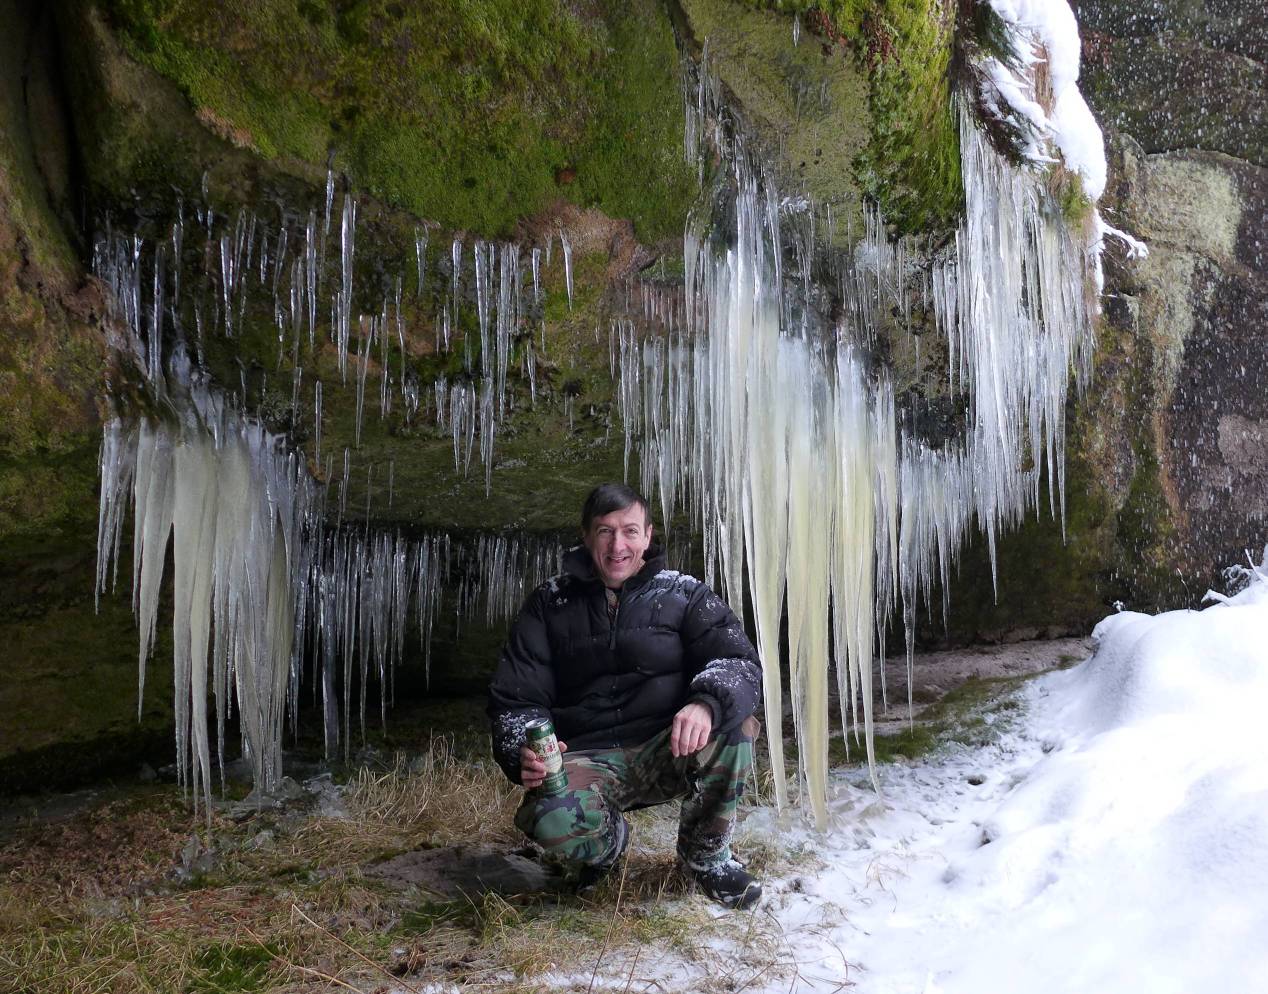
(1112, 842)
(1049, 26)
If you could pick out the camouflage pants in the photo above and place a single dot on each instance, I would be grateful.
(579, 826)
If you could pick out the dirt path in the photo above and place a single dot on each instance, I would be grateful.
(938, 673)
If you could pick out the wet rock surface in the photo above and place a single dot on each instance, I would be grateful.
(1175, 74)
(1177, 410)
(1192, 310)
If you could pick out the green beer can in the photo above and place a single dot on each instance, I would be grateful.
(541, 739)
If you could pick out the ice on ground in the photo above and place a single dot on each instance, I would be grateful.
(1113, 842)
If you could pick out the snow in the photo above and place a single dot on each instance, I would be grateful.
(1049, 25)
(1079, 138)
(1112, 841)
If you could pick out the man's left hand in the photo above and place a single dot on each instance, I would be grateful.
(690, 730)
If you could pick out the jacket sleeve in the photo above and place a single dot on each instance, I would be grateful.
(726, 673)
(523, 686)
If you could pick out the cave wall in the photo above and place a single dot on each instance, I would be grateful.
(1182, 89)
(1166, 452)
(517, 117)
(67, 673)
(521, 118)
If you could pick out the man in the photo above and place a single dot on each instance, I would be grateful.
(649, 678)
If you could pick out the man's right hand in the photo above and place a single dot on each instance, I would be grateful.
(532, 767)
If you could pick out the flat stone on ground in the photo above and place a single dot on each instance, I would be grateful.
(456, 871)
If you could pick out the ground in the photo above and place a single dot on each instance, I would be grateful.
(390, 880)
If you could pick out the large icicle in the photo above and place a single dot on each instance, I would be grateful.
(788, 446)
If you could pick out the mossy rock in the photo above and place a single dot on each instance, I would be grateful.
(473, 115)
(861, 103)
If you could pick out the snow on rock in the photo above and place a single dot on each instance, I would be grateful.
(1113, 842)
(1049, 26)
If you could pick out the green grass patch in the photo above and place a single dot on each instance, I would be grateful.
(973, 714)
(225, 968)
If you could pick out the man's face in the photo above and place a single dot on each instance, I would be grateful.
(617, 542)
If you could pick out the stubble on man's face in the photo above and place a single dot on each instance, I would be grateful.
(617, 542)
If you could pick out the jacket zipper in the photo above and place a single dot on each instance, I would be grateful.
(615, 614)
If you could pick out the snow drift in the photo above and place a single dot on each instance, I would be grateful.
(1113, 841)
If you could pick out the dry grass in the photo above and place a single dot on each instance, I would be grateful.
(118, 900)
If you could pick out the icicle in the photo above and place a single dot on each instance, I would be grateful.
(566, 245)
(790, 459)
(317, 422)
(420, 254)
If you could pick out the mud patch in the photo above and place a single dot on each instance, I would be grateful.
(466, 871)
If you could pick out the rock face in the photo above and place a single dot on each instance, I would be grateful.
(63, 666)
(1183, 91)
(570, 114)
(1166, 452)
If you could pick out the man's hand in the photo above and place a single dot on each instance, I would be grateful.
(690, 730)
(532, 768)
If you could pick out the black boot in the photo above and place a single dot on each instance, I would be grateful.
(729, 884)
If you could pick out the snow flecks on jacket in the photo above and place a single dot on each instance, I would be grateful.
(509, 735)
(736, 685)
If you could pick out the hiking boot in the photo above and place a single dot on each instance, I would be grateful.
(729, 884)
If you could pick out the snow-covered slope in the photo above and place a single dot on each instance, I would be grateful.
(1116, 841)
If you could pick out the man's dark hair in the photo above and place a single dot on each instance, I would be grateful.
(609, 497)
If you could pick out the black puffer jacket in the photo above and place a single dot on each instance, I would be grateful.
(607, 685)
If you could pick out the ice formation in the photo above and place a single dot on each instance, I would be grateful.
(261, 583)
(752, 405)
(249, 265)
(762, 416)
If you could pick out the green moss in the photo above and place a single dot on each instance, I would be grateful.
(1076, 205)
(467, 114)
(1145, 535)
(910, 163)
(45, 496)
(807, 105)
(630, 163)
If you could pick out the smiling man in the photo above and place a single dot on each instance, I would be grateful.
(651, 685)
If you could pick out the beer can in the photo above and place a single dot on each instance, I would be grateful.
(542, 740)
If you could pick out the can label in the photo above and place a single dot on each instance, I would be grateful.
(542, 740)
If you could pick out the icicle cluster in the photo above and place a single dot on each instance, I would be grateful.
(261, 583)
(247, 267)
(239, 509)
(760, 415)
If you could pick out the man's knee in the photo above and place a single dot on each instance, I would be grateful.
(571, 827)
(733, 748)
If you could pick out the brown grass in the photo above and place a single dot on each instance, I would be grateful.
(94, 904)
